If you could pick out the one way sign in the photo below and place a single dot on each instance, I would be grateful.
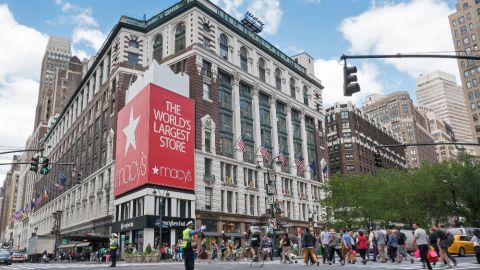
(272, 223)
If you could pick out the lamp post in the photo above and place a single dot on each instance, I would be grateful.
(57, 216)
(272, 191)
(166, 194)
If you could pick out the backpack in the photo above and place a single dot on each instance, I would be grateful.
(402, 237)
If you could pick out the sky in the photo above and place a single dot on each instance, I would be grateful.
(325, 29)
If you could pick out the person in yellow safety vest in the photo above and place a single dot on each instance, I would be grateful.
(113, 249)
(187, 239)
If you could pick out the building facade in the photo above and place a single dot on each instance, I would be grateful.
(441, 132)
(397, 112)
(465, 26)
(9, 205)
(242, 86)
(439, 92)
(353, 138)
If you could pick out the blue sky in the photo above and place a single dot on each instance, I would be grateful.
(324, 28)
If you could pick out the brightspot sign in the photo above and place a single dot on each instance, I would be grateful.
(155, 141)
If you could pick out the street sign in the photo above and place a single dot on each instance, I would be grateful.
(270, 200)
(122, 237)
(272, 223)
(271, 190)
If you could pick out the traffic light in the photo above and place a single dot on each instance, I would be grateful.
(34, 164)
(378, 160)
(350, 85)
(79, 178)
(44, 170)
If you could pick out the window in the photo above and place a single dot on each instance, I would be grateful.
(345, 125)
(475, 82)
(278, 79)
(305, 95)
(261, 69)
(133, 59)
(475, 117)
(461, 20)
(349, 157)
(466, 73)
(206, 91)
(180, 37)
(465, 5)
(477, 93)
(454, 22)
(470, 95)
(463, 29)
(465, 40)
(292, 87)
(472, 106)
(348, 146)
(469, 84)
(468, 51)
(344, 115)
(243, 59)
(133, 44)
(208, 198)
(223, 46)
(478, 104)
(158, 48)
(208, 167)
(350, 168)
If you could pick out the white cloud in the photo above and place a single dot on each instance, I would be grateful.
(417, 26)
(20, 62)
(331, 74)
(268, 11)
(86, 29)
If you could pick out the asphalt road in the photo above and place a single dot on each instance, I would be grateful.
(464, 263)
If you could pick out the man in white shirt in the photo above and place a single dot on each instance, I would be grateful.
(420, 238)
(325, 238)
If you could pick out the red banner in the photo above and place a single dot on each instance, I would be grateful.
(155, 141)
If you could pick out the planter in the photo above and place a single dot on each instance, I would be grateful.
(148, 258)
(139, 259)
(156, 258)
(128, 259)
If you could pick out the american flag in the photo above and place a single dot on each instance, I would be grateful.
(282, 158)
(45, 195)
(300, 163)
(38, 199)
(324, 166)
(241, 144)
(264, 152)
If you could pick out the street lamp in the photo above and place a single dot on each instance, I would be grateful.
(57, 216)
(271, 191)
(166, 194)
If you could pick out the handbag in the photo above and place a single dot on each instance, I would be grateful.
(416, 253)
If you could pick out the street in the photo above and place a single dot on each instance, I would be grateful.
(463, 263)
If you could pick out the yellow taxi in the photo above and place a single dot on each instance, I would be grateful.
(462, 245)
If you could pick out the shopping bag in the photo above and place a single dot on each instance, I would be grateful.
(432, 255)
(416, 253)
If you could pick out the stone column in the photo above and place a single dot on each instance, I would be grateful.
(256, 123)
(291, 156)
(273, 121)
(304, 149)
(237, 129)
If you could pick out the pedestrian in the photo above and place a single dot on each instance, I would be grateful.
(286, 247)
(202, 253)
(188, 245)
(325, 239)
(442, 241)
(113, 249)
(223, 248)
(362, 246)
(381, 241)
(392, 246)
(335, 247)
(420, 238)
(346, 246)
(213, 248)
(308, 245)
(372, 242)
(476, 244)
(402, 247)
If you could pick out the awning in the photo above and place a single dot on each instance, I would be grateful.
(212, 234)
(83, 244)
(67, 245)
(233, 235)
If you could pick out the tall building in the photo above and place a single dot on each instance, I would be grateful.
(465, 26)
(441, 132)
(397, 112)
(439, 92)
(243, 87)
(56, 57)
(9, 205)
(352, 138)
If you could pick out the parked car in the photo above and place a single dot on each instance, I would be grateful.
(462, 245)
(5, 257)
(19, 256)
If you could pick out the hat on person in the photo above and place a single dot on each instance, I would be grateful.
(115, 235)
(332, 230)
(189, 223)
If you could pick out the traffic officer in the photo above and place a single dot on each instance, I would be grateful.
(113, 249)
(188, 254)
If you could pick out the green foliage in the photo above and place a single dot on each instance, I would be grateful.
(426, 194)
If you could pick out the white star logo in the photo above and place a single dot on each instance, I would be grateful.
(130, 132)
(155, 170)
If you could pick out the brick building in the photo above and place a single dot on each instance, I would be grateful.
(241, 84)
(397, 112)
(352, 138)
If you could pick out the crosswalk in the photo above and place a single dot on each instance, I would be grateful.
(415, 266)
